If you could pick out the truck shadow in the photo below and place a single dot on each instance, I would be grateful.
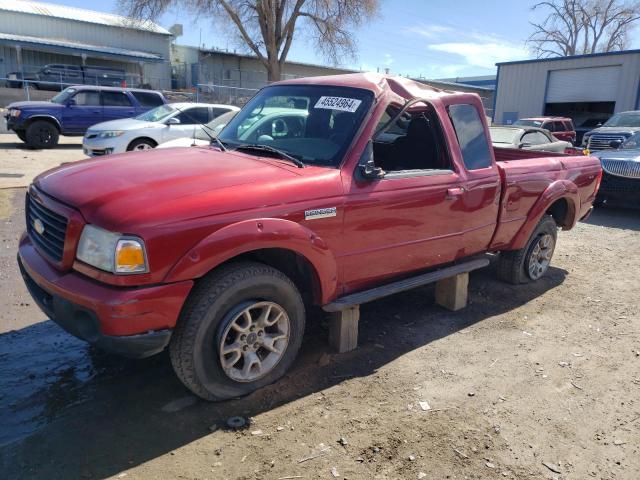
(70, 411)
(615, 217)
(22, 146)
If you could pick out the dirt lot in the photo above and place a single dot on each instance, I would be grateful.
(525, 381)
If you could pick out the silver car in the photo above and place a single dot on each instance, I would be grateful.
(526, 138)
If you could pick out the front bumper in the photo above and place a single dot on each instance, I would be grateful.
(96, 147)
(134, 322)
(13, 123)
(619, 190)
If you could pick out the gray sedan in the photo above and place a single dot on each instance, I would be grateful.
(526, 138)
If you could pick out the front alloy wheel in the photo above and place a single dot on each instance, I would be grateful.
(254, 339)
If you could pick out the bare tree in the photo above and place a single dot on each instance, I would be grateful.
(574, 27)
(268, 27)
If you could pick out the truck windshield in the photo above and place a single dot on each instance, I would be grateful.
(312, 123)
(156, 114)
(63, 96)
(632, 143)
(624, 120)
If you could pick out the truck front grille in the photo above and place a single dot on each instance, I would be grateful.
(622, 168)
(601, 141)
(613, 184)
(46, 229)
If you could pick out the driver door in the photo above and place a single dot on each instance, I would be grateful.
(82, 111)
(408, 219)
(191, 120)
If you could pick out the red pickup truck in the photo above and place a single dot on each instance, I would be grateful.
(321, 191)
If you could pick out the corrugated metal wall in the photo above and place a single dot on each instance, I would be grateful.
(522, 86)
(159, 75)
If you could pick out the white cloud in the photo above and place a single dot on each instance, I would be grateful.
(388, 59)
(429, 30)
(484, 55)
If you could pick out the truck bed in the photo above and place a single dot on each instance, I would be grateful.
(526, 175)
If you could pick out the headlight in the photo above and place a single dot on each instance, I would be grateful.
(110, 134)
(15, 113)
(111, 252)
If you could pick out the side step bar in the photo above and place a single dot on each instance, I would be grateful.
(359, 298)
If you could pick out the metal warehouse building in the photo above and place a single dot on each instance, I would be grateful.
(581, 87)
(33, 34)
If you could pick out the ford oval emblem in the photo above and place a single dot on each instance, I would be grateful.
(38, 226)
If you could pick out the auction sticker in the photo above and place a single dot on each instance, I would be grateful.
(338, 103)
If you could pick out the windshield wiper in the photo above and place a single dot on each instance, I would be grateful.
(267, 148)
(204, 126)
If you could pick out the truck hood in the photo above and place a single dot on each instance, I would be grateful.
(631, 154)
(124, 124)
(34, 104)
(139, 189)
(610, 130)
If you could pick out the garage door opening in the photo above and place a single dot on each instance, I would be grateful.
(585, 115)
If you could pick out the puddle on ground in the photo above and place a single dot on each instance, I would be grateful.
(44, 372)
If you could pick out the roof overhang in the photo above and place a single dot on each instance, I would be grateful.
(73, 48)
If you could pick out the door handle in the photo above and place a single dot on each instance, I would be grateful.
(455, 192)
(95, 111)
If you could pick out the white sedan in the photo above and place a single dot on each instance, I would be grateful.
(202, 137)
(527, 138)
(160, 125)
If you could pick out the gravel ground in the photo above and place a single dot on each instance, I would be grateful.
(527, 382)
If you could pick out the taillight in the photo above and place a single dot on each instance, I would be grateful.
(598, 181)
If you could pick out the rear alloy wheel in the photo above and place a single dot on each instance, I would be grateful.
(531, 262)
(141, 144)
(539, 257)
(42, 134)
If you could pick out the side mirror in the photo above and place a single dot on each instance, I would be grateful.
(71, 102)
(599, 124)
(615, 143)
(524, 145)
(173, 121)
(367, 166)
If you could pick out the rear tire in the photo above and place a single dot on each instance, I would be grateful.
(218, 350)
(141, 144)
(531, 262)
(42, 134)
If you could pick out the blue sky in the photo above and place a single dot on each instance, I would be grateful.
(428, 38)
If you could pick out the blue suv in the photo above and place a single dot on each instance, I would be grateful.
(74, 110)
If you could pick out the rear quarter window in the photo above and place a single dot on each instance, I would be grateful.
(471, 136)
(148, 99)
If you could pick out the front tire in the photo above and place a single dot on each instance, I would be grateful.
(531, 262)
(42, 134)
(240, 330)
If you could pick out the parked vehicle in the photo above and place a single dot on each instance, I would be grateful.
(166, 122)
(561, 127)
(527, 138)
(74, 110)
(586, 126)
(52, 76)
(621, 173)
(613, 132)
(202, 137)
(218, 252)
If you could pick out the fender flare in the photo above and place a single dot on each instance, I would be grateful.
(257, 234)
(560, 189)
(39, 116)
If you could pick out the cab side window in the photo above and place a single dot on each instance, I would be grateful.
(471, 136)
(414, 141)
(87, 99)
